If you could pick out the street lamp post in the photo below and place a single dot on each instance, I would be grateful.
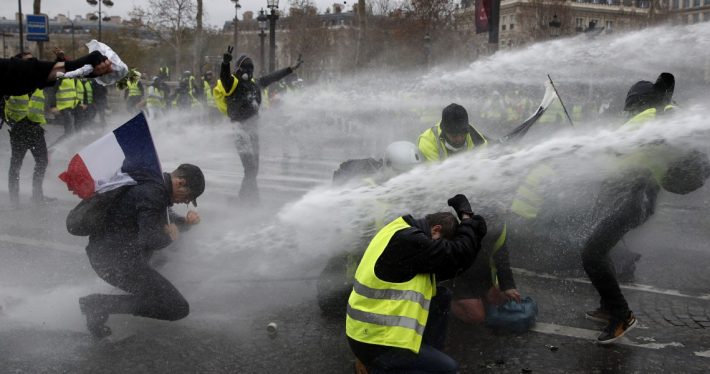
(261, 20)
(555, 26)
(236, 30)
(108, 3)
(273, 16)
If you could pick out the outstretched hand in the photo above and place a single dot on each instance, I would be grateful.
(227, 56)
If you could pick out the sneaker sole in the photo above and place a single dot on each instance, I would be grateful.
(631, 326)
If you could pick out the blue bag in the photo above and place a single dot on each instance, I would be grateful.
(512, 316)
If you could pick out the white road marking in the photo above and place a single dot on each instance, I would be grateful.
(628, 286)
(41, 244)
(576, 332)
(703, 354)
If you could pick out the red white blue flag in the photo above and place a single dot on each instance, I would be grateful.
(122, 157)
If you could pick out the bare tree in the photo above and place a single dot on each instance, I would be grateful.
(362, 29)
(169, 20)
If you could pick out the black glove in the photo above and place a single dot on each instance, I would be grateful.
(299, 61)
(227, 56)
(94, 58)
(461, 205)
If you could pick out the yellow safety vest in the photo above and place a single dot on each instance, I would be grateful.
(16, 108)
(433, 147)
(191, 91)
(209, 97)
(156, 98)
(133, 89)
(35, 112)
(529, 196)
(66, 94)
(220, 94)
(89, 92)
(387, 313)
(654, 157)
(80, 93)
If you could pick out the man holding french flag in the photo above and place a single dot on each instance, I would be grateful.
(126, 214)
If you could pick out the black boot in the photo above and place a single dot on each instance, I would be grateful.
(96, 318)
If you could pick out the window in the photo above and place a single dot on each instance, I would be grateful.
(706, 16)
(707, 2)
(676, 3)
(579, 22)
(512, 26)
(502, 27)
(696, 17)
(686, 4)
(608, 26)
(696, 3)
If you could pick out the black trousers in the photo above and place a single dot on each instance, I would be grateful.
(247, 143)
(27, 136)
(150, 294)
(622, 205)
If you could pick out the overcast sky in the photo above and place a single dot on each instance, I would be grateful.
(217, 11)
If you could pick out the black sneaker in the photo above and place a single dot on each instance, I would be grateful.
(616, 329)
(95, 319)
(598, 315)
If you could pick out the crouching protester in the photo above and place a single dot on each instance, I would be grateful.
(138, 221)
(397, 316)
(489, 281)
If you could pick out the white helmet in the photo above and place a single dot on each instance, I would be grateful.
(402, 156)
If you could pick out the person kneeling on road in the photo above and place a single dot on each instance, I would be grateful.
(120, 252)
(396, 315)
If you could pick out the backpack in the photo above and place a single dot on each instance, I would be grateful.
(512, 316)
(89, 216)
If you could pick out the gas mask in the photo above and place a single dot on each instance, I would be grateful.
(245, 68)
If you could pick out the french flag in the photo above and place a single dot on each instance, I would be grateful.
(122, 157)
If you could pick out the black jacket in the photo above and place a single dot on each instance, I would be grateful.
(137, 219)
(21, 77)
(244, 102)
(412, 251)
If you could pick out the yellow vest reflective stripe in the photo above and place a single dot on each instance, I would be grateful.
(36, 108)
(220, 94)
(66, 94)
(16, 107)
(433, 147)
(529, 198)
(191, 91)
(156, 98)
(89, 92)
(133, 89)
(387, 313)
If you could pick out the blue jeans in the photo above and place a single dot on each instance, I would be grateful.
(430, 358)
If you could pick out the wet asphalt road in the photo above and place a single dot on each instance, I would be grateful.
(43, 271)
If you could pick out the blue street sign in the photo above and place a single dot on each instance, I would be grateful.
(37, 28)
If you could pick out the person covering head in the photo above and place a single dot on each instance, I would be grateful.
(190, 184)
(644, 94)
(244, 68)
(402, 156)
